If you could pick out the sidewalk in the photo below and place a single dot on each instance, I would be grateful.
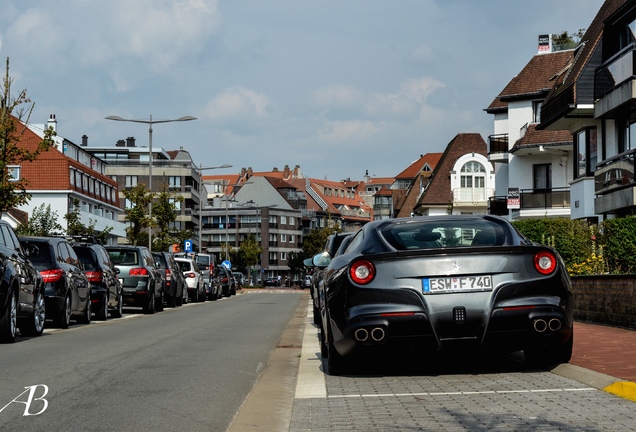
(610, 351)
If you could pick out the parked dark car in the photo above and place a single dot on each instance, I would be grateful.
(224, 276)
(22, 303)
(334, 244)
(141, 280)
(272, 281)
(174, 284)
(445, 282)
(106, 290)
(67, 290)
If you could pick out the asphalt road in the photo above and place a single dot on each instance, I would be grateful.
(184, 369)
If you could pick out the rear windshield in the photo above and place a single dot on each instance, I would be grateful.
(184, 266)
(123, 256)
(431, 233)
(43, 257)
(203, 262)
(87, 257)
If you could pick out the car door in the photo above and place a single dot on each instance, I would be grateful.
(22, 266)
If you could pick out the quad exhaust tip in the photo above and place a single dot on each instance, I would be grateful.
(540, 325)
(361, 335)
(377, 334)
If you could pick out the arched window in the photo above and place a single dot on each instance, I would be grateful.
(473, 175)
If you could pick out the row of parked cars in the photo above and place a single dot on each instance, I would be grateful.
(58, 280)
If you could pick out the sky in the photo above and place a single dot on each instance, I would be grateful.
(339, 87)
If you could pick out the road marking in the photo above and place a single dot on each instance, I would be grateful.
(458, 393)
(311, 379)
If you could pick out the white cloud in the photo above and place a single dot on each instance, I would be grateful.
(348, 131)
(239, 103)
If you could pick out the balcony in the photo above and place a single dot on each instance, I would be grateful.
(614, 173)
(471, 195)
(498, 148)
(614, 82)
(545, 198)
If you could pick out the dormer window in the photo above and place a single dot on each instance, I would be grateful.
(14, 173)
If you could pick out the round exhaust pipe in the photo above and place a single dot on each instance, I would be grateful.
(377, 334)
(361, 335)
(554, 324)
(540, 325)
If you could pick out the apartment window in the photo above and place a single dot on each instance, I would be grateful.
(536, 111)
(72, 177)
(586, 151)
(283, 238)
(131, 181)
(128, 204)
(292, 238)
(292, 220)
(473, 175)
(542, 176)
(283, 220)
(283, 256)
(174, 182)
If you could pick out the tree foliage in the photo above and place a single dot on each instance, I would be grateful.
(163, 212)
(75, 226)
(42, 223)
(13, 151)
(137, 214)
(246, 257)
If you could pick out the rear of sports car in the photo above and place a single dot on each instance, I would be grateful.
(504, 296)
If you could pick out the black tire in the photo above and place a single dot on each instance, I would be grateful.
(119, 311)
(195, 297)
(159, 303)
(324, 350)
(9, 321)
(178, 301)
(336, 364)
(171, 301)
(63, 320)
(546, 356)
(88, 313)
(316, 316)
(203, 295)
(34, 325)
(101, 314)
(149, 307)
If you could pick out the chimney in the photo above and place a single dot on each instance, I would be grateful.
(275, 169)
(52, 123)
(130, 142)
(249, 172)
(120, 143)
(243, 171)
(84, 140)
(286, 172)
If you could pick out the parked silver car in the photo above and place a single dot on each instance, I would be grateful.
(194, 279)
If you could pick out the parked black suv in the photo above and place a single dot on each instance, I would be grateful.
(106, 290)
(67, 291)
(139, 276)
(22, 302)
(223, 277)
(174, 283)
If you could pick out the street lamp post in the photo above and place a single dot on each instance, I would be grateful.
(150, 122)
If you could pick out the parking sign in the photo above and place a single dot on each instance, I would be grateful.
(187, 246)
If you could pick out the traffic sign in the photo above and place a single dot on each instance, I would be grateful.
(227, 264)
(187, 246)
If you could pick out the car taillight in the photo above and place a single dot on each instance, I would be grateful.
(362, 272)
(190, 275)
(224, 280)
(139, 271)
(52, 275)
(94, 276)
(545, 262)
(168, 275)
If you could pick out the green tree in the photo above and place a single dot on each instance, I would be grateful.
(247, 255)
(14, 152)
(137, 216)
(43, 222)
(163, 212)
(75, 227)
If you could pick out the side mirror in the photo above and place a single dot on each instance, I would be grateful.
(322, 259)
(308, 262)
(117, 270)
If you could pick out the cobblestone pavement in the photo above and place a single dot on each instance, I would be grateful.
(478, 393)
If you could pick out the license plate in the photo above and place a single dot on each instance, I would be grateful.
(456, 284)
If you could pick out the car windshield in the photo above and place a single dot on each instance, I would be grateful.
(438, 233)
(86, 256)
(123, 256)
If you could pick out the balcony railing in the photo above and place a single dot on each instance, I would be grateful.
(615, 72)
(467, 195)
(545, 198)
(498, 143)
(614, 173)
